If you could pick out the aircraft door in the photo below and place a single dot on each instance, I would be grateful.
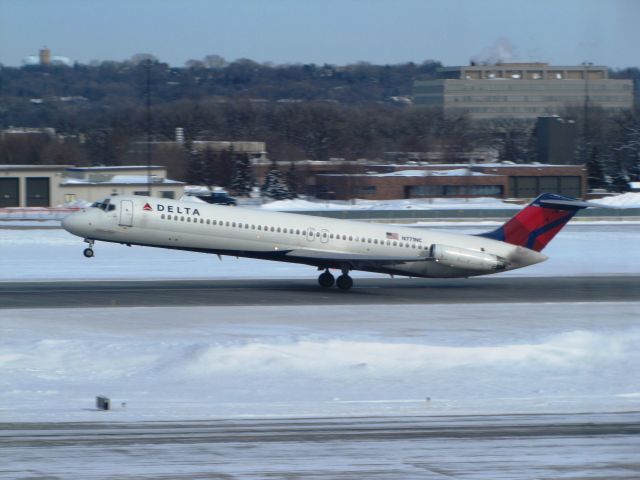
(311, 234)
(126, 213)
(324, 236)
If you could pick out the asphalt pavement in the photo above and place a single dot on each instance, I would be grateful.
(371, 291)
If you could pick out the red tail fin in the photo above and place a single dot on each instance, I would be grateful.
(536, 224)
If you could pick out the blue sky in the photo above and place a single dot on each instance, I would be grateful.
(569, 32)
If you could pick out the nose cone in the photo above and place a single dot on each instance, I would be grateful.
(72, 223)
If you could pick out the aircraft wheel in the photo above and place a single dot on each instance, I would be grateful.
(326, 280)
(344, 282)
(88, 252)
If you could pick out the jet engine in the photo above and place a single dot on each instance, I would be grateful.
(466, 259)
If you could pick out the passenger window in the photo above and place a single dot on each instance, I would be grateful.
(297, 232)
(375, 241)
(278, 230)
(395, 243)
(331, 235)
(226, 223)
(350, 238)
(259, 227)
(188, 219)
(162, 216)
(388, 242)
(233, 224)
(182, 219)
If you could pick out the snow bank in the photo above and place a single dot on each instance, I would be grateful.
(626, 200)
(204, 362)
(415, 204)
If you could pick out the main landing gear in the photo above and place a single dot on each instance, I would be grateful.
(343, 282)
(88, 252)
(326, 280)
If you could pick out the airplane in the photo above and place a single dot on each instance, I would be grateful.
(324, 243)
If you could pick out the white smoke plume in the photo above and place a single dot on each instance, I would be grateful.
(502, 51)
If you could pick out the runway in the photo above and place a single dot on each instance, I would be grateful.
(61, 294)
(508, 446)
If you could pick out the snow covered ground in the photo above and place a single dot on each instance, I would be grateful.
(414, 204)
(178, 363)
(211, 362)
(45, 254)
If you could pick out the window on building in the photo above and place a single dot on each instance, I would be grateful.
(366, 190)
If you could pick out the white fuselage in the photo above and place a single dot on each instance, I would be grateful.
(287, 237)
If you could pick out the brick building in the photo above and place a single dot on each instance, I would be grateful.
(500, 180)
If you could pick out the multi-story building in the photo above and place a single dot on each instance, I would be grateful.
(522, 90)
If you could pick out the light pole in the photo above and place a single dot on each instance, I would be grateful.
(585, 132)
(148, 111)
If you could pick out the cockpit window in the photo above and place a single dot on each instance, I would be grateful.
(104, 205)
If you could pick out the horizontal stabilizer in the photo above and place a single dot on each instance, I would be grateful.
(562, 204)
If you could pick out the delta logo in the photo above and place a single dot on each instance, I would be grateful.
(174, 209)
(147, 207)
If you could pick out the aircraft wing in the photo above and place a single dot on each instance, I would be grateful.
(354, 258)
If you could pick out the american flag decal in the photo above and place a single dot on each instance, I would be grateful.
(392, 236)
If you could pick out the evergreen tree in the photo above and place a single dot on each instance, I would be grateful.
(195, 167)
(225, 167)
(595, 170)
(210, 167)
(292, 181)
(243, 181)
(619, 180)
(274, 186)
(634, 172)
